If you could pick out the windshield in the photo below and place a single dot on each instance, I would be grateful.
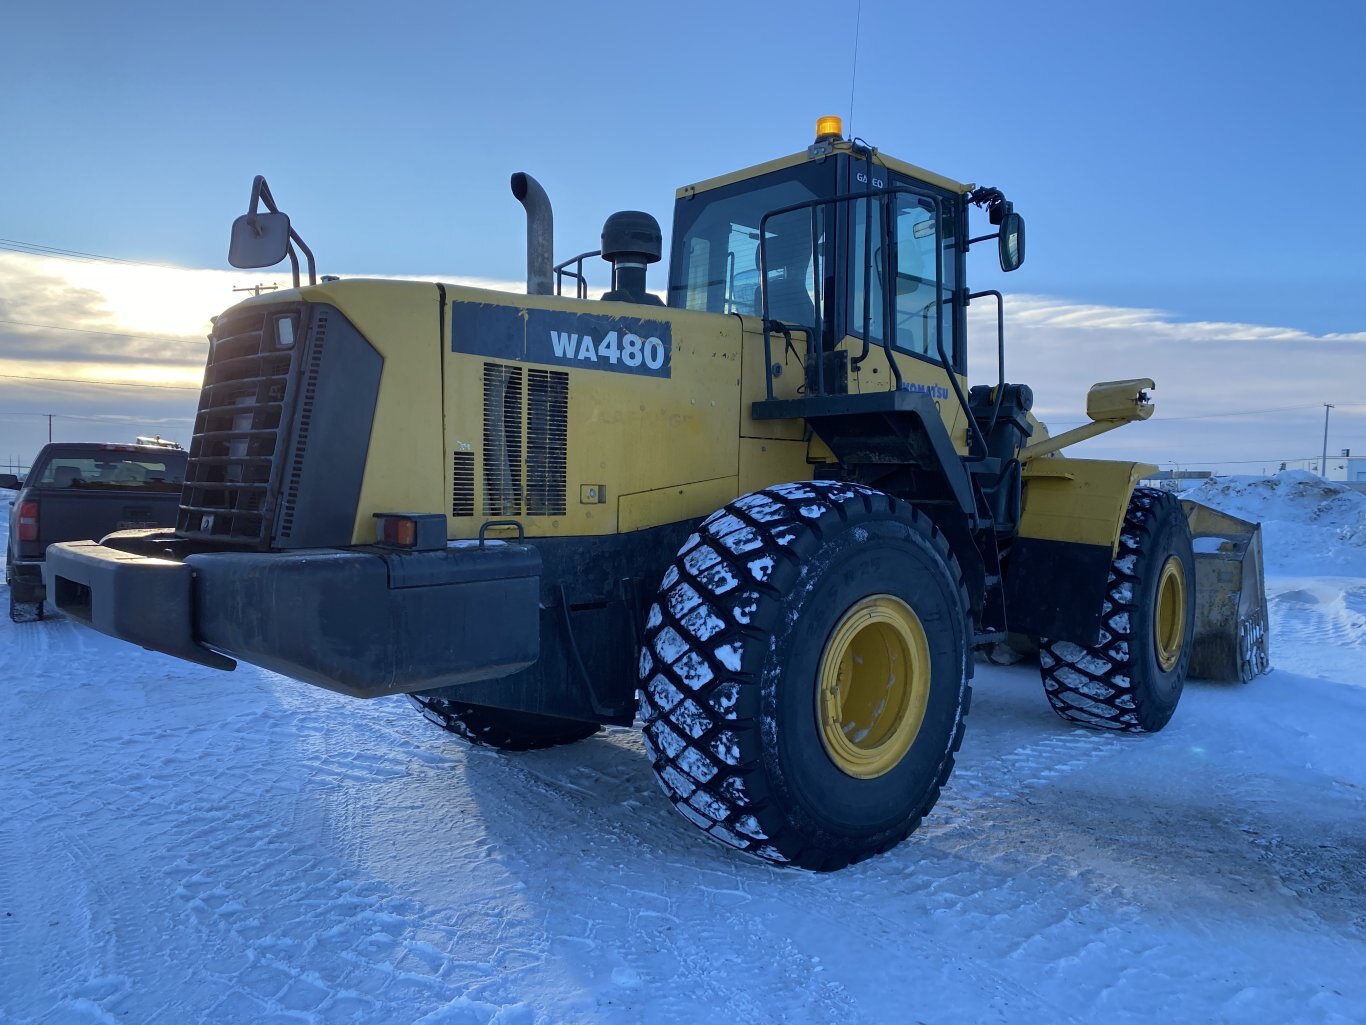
(109, 469)
(715, 264)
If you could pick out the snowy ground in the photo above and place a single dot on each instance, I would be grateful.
(182, 846)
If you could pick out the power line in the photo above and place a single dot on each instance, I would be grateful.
(1210, 416)
(110, 384)
(94, 331)
(1241, 462)
(112, 418)
(37, 249)
(1245, 412)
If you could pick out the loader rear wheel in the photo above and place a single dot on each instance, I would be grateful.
(804, 673)
(1132, 679)
(500, 728)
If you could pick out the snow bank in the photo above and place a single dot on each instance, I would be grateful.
(1314, 540)
(1309, 525)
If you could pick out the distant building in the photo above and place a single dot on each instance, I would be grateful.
(1342, 467)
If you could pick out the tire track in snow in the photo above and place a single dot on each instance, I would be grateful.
(31, 645)
(254, 896)
(711, 895)
(687, 940)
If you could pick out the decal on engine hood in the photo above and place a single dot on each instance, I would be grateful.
(590, 341)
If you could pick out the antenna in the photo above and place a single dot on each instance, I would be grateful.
(853, 74)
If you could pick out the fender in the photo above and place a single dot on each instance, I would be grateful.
(1056, 571)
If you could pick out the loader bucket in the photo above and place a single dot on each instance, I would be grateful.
(1231, 628)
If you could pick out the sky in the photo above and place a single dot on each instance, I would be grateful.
(1189, 173)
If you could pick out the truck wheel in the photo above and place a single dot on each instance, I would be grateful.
(22, 607)
(501, 728)
(804, 674)
(1132, 679)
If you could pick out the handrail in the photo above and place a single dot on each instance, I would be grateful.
(581, 289)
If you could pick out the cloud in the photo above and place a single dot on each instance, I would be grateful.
(1225, 392)
(1228, 395)
(112, 350)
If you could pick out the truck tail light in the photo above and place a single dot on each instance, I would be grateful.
(28, 521)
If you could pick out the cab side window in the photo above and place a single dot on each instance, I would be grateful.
(918, 288)
(925, 273)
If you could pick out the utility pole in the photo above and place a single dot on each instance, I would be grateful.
(257, 289)
(1323, 465)
(49, 428)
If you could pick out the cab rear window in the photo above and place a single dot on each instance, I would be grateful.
(109, 470)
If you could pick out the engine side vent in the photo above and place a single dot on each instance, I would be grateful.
(502, 440)
(462, 484)
(547, 435)
(310, 392)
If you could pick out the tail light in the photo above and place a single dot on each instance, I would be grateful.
(423, 532)
(28, 521)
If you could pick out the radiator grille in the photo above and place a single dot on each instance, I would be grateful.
(502, 440)
(237, 430)
(462, 484)
(547, 429)
(526, 428)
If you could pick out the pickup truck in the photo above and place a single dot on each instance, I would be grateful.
(79, 491)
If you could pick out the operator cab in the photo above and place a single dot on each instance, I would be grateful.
(812, 242)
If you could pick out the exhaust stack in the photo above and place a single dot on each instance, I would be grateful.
(540, 234)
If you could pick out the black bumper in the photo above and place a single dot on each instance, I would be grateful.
(365, 622)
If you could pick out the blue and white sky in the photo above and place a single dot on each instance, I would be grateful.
(1191, 174)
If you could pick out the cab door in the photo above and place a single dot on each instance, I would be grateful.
(905, 263)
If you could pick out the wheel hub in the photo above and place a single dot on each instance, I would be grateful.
(874, 685)
(1169, 614)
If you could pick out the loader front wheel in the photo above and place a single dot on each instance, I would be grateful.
(804, 673)
(500, 728)
(1132, 679)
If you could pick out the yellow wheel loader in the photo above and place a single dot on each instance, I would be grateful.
(767, 516)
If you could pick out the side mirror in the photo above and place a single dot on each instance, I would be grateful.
(259, 240)
(1012, 241)
(10, 481)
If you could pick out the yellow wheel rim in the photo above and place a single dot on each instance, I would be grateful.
(874, 686)
(1169, 615)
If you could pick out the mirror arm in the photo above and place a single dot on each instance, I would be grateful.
(983, 238)
(257, 184)
(312, 269)
(260, 193)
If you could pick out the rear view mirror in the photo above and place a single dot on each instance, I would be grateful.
(1012, 241)
(10, 481)
(259, 240)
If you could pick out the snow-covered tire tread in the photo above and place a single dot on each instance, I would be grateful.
(699, 706)
(1094, 685)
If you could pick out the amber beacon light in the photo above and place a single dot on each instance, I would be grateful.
(829, 127)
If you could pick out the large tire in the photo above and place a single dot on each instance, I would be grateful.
(498, 727)
(1132, 679)
(804, 674)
